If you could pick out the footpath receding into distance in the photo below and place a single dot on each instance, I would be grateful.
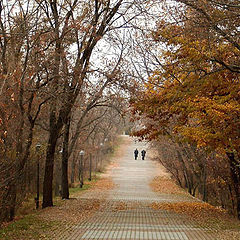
(127, 212)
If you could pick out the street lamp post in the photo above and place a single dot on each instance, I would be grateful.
(90, 168)
(81, 167)
(101, 156)
(38, 146)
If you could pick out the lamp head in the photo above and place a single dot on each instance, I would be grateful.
(81, 153)
(38, 146)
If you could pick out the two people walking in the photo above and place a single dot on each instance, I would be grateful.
(143, 153)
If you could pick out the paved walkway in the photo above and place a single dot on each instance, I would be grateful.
(126, 213)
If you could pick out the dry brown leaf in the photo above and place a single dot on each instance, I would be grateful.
(120, 206)
(103, 184)
(165, 185)
(73, 210)
(193, 209)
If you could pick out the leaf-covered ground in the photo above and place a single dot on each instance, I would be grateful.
(166, 185)
(226, 227)
(41, 224)
(50, 223)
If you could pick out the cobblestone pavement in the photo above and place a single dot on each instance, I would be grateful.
(126, 213)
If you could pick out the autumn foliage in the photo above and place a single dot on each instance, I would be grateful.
(193, 97)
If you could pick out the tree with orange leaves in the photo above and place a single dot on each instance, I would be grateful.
(195, 93)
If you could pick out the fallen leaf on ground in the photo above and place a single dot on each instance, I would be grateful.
(192, 209)
(120, 206)
(73, 210)
(103, 184)
(165, 185)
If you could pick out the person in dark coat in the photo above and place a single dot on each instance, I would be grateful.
(143, 152)
(136, 153)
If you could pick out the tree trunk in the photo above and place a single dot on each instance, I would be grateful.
(13, 196)
(49, 164)
(235, 175)
(18, 170)
(231, 197)
(65, 188)
(96, 163)
(7, 209)
(57, 174)
(81, 171)
(204, 191)
(185, 172)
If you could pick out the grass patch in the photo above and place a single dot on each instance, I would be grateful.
(27, 224)
(86, 186)
(29, 227)
(75, 190)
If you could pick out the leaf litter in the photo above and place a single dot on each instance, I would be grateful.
(216, 219)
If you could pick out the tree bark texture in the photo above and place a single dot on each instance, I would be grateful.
(49, 165)
(65, 188)
(235, 175)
